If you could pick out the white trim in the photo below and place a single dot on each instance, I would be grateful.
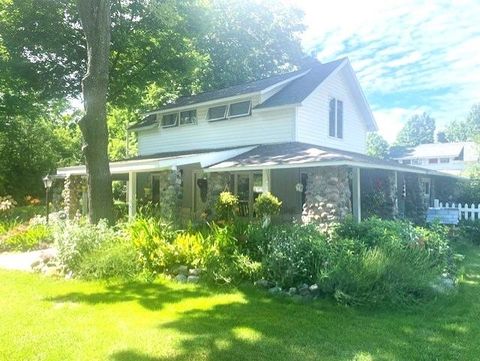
(356, 195)
(277, 107)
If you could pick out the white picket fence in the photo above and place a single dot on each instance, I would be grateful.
(464, 211)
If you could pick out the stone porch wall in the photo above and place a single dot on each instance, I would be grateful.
(327, 196)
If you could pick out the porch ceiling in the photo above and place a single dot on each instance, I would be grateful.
(159, 162)
(300, 155)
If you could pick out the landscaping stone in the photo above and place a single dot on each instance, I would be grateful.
(263, 283)
(314, 290)
(181, 278)
(194, 271)
(444, 284)
(292, 291)
(181, 270)
(193, 279)
(303, 289)
(275, 290)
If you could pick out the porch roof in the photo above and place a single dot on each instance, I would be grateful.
(163, 161)
(299, 155)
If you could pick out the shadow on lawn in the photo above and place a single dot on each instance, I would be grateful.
(266, 329)
(152, 296)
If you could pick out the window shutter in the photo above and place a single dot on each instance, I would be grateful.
(339, 119)
(331, 118)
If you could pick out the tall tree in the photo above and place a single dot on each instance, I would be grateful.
(419, 129)
(377, 146)
(465, 130)
(95, 18)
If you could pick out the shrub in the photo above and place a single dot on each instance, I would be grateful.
(7, 203)
(226, 206)
(24, 237)
(114, 259)
(153, 239)
(293, 254)
(356, 274)
(470, 230)
(75, 241)
(267, 205)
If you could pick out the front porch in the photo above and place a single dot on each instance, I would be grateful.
(315, 184)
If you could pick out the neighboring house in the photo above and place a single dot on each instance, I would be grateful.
(301, 136)
(452, 158)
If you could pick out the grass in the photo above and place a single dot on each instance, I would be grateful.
(50, 319)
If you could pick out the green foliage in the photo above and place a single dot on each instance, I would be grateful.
(377, 146)
(226, 206)
(75, 241)
(153, 238)
(470, 230)
(414, 202)
(465, 130)
(266, 205)
(419, 129)
(24, 237)
(377, 197)
(113, 259)
(293, 254)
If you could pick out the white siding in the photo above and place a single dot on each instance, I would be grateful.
(312, 118)
(270, 126)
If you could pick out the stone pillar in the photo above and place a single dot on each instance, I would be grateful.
(171, 193)
(327, 196)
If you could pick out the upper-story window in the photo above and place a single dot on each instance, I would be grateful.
(170, 120)
(232, 110)
(433, 161)
(179, 118)
(188, 117)
(444, 160)
(336, 118)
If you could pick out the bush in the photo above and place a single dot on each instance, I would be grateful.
(293, 254)
(267, 204)
(24, 237)
(470, 230)
(226, 207)
(114, 259)
(75, 241)
(153, 239)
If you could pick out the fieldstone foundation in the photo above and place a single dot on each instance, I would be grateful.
(327, 196)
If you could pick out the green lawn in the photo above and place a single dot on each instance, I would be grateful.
(48, 319)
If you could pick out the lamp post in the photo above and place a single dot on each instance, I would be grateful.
(47, 182)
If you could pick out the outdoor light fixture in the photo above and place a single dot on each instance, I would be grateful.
(47, 182)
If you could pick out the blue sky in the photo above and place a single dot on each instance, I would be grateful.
(410, 56)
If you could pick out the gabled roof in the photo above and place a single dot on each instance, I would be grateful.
(299, 85)
(431, 150)
(297, 90)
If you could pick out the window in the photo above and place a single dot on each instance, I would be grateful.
(444, 160)
(433, 161)
(188, 117)
(239, 109)
(417, 161)
(169, 120)
(406, 161)
(217, 113)
(335, 118)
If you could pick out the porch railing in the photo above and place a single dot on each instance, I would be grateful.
(465, 211)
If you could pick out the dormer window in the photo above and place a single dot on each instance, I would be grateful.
(170, 120)
(239, 109)
(188, 117)
(232, 110)
(336, 118)
(217, 113)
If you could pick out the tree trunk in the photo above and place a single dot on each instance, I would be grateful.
(95, 18)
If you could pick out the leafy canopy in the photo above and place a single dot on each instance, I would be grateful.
(418, 130)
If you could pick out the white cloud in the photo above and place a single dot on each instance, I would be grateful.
(408, 54)
(390, 121)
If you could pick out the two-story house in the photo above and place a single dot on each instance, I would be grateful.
(300, 135)
(454, 158)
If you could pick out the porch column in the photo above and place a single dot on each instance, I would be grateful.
(132, 194)
(395, 194)
(356, 195)
(266, 183)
